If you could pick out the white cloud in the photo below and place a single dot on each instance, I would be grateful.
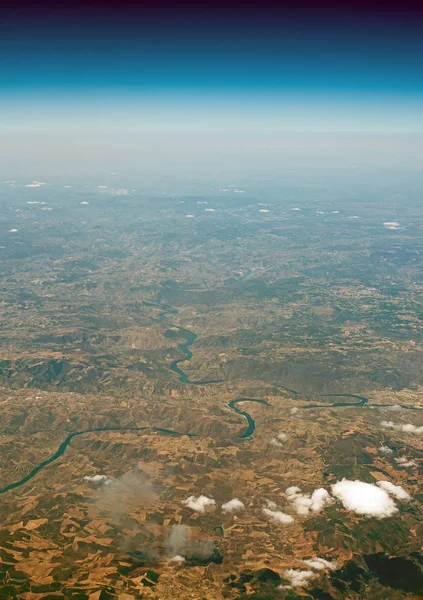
(189, 216)
(364, 498)
(385, 450)
(264, 210)
(391, 225)
(278, 441)
(296, 208)
(32, 202)
(303, 504)
(119, 192)
(294, 410)
(233, 505)
(178, 560)
(34, 184)
(320, 563)
(84, 202)
(277, 516)
(406, 428)
(13, 231)
(298, 578)
(199, 504)
(354, 217)
(237, 191)
(395, 490)
(102, 187)
(209, 210)
(98, 479)
(335, 212)
(404, 462)
(291, 491)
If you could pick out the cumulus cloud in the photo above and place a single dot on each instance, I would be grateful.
(406, 428)
(209, 210)
(303, 504)
(35, 184)
(385, 450)
(278, 440)
(364, 498)
(296, 208)
(119, 192)
(395, 490)
(98, 479)
(320, 563)
(13, 231)
(404, 462)
(199, 504)
(391, 225)
(264, 210)
(298, 578)
(189, 216)
(178, 559)
(84, 202)
(233, 505)
(277, 516)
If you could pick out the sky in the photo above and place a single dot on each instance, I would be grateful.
(353, 67)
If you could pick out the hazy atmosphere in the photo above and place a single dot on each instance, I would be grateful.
(211, 303)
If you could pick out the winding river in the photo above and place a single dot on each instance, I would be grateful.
(185, 348)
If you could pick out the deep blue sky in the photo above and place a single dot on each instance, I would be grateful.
(353, 66)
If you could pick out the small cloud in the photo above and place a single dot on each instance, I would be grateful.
(303, 504)
(385, 450)
(319, 212)
(98, 479)
(320, 564)
(264, 210)
(394, 407)
(199, 504)
(238, 191)
(395, 490)
(177, 560)
(294, 410)
(34, 184)
(391, 225)
(277, 516)
(84, 202)
(203, 202)
(189, 216)
(278, 441)
(209, 210)
(102, 187)
(119, 192)
(335, 212)
(364, 498)
(32, 202)
(223, 190)
(13, 231)
(354, 217)
(296, 208)
(233, 505)
(404, 462)
(406, 428)
(298, 578)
